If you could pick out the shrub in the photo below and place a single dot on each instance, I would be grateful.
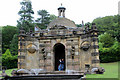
(8, 60)
(110, 54)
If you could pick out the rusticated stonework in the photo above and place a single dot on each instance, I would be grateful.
(78, 46)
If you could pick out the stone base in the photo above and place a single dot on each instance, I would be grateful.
(47, 77)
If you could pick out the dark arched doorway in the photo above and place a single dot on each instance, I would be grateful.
(59, 53)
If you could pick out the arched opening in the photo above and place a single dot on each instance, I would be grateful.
(59, 53)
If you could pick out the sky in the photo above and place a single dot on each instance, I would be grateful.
(76, 10)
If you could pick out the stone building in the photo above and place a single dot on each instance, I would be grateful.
(78, 46)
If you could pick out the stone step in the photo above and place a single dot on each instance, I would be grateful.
(47, 77)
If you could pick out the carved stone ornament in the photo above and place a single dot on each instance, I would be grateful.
(31, 48)
(85, 45)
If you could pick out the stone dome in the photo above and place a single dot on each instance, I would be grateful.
(62, 21)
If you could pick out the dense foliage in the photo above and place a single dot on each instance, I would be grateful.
(109, 40)
(7, 35)
(9, 46)
(109, 24)
(8, 60)
(14, 45)
(106, 40)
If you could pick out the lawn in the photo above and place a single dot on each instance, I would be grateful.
(111, 71)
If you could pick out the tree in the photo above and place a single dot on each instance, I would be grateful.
(110, 54)
(26, 18)
(7, 35)
(52, 17)
(118, 31)
(7, 54)
(109, 40)
(8, 60)
(14, 45)
(44, 19)
(106, 40)
(110, 25)
(115, 49)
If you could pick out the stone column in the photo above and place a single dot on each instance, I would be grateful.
(95, 47)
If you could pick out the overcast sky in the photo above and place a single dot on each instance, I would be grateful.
(76, 10)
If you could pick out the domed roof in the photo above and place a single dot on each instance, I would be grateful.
(61, 21)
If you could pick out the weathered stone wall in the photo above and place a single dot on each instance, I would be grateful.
(81, 49)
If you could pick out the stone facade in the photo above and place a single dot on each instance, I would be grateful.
(78, 46)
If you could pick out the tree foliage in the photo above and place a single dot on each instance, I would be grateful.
(7, 34)
(14, 45)
(26, 18)
(109, 40)
(44, 19)
(52, 17)
(9, 46)
(106, 40)
(8, 60)
(7, 54)
(110, 54)
(109, 24)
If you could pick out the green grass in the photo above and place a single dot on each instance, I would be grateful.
(111, 71)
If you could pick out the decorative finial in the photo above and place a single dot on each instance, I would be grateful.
(61, 4)
(82, 23)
